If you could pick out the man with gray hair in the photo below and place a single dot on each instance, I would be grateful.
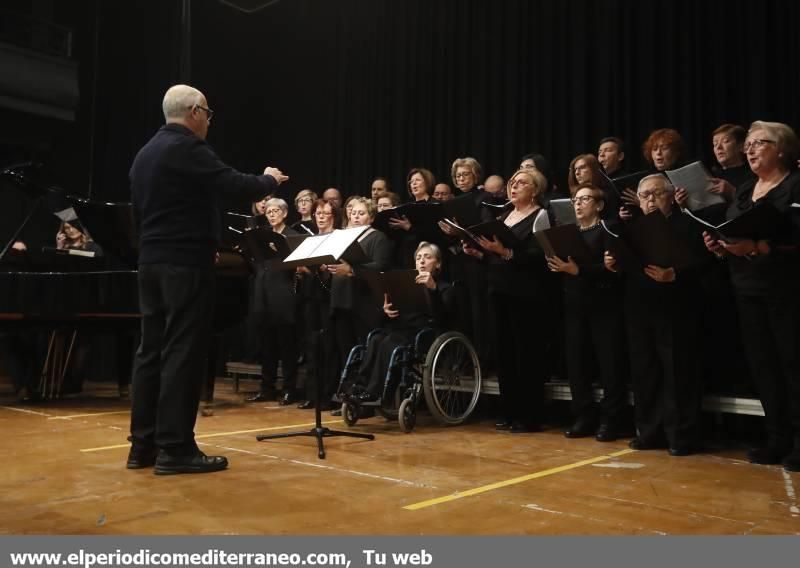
(175, 182)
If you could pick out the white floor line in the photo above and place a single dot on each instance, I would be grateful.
(790, 493)
(26, 411)
(323, 466)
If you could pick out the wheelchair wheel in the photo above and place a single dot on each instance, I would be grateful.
(451, 378)
(407, 415)
(350, 413)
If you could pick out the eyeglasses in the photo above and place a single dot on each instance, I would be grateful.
(320, 213)
(645, 195)
(463, 175)
(274, 211)
(583, 199)
(208, 111)
(757, 143)
(305, 200)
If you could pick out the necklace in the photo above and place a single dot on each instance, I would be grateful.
(589, 228)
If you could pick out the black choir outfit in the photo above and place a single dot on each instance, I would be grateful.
(769, 310)
(469, 276)
(320, 354)
(517, 292)
(595, 339)
(663, 341)
(275, 304)
(175, 181)
(354, 310)
(402, 331)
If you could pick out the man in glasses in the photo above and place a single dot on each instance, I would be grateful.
(175, 180)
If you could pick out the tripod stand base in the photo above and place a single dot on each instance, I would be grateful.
(319, 433)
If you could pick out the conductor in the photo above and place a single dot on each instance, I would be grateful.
(175, 181)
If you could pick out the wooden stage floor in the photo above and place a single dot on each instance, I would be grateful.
(64, 474)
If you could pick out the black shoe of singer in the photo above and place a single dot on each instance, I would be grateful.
(140, 458)
(198, 462)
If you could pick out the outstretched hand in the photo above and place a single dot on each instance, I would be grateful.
(276, 173)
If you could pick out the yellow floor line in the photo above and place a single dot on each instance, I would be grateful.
(219, 434)
(513, 481)
(88, 415)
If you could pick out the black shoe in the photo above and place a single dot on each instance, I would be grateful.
(582, 428)
(503, 425)
(768, 455)
(263, 396)
(367, 397)
(193, 463)
(25, 396)
(287, 398)
(518, 427)
(140, 458)
(639, 444)
(305, 405)
(680, 451)
(792, 461)
(606, 433)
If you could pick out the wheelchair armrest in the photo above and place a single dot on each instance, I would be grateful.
(373, 332)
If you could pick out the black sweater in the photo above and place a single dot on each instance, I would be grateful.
(175, 181)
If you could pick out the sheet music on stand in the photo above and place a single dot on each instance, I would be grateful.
(328, 249)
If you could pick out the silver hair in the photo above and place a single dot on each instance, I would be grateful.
(279, 203)
(668, 186)
(785, 139)
(179, 100)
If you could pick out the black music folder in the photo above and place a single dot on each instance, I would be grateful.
(328, 249)
(653, 239)
(564, 211)
(263, 244)
(488, 230)
(758, 222)
(629, 181)
(616, 245)
(564, 241)
(463, 210)
(423, 217)
(404, 293)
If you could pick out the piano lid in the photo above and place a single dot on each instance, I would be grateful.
(112, 226)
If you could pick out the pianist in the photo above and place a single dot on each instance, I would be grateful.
(176, 179)
(72, 235)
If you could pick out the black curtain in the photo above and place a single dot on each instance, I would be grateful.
(336, 92)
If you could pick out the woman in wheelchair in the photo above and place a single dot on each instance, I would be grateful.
(402, 328)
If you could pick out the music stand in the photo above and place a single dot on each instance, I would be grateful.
(318, 431)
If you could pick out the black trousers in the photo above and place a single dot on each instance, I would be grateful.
(521, 337)
(279, 343)
(379, 353)
(666, 383)
(177, 305)
(771, 340)
(595, 332)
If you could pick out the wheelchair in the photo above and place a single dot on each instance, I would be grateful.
(443, 369)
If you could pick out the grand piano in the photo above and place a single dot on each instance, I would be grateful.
(74, 293)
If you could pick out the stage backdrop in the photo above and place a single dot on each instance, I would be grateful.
(337, 91)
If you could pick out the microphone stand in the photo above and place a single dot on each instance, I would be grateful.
(318, 431)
